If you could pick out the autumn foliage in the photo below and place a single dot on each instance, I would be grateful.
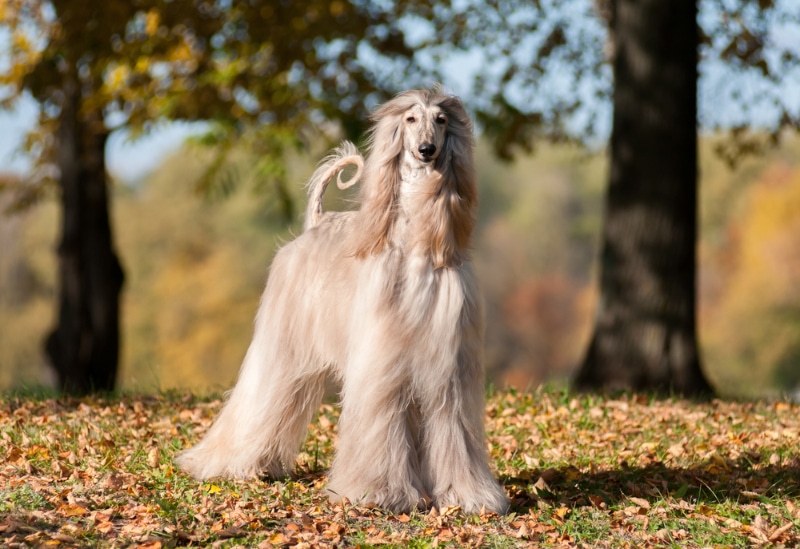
(751, 307)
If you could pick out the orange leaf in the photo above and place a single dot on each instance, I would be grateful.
(72, 510)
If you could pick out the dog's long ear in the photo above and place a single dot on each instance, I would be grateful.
(381, 180)
(458, 187)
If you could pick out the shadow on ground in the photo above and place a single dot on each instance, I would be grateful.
(715, 481)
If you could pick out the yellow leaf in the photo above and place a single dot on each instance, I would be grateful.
(213, 489)
(152, 20)
(181, 52)
(705, 510)
(278, 539)
(19, 41)
(142, 64)
(561, 514)
(117, 78)
(72, 510)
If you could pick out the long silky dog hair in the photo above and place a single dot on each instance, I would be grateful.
(384, 299)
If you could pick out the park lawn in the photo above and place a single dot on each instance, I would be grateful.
(581, 471)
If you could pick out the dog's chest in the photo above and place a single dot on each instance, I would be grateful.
(428, 296)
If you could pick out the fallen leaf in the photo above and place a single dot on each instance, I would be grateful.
(72, 510)
(643, 503)
(152, 458)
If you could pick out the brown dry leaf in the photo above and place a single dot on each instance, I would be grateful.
(759, 529)
(597, 501)
(793, 509)
(150, 545)
(9, 526)
(231, 532)
(642, 503)
(779, 532)
(445, 534)
(105, 527)
(541, 488)
(676, 450)
(306, 521)
(152, 458)
(450, 510)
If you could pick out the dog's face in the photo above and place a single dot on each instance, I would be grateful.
(424, 131)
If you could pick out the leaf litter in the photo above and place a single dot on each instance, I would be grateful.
(581, 471)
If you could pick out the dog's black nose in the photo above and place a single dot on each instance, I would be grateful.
(427, 149)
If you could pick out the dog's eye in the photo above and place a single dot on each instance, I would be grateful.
(441, 120)
(411, 119)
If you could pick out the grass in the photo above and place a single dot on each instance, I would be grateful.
(582, 471)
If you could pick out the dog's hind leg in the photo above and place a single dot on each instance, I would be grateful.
(264, 421)
(261, 426)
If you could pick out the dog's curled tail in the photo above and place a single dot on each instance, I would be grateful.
(342, 157)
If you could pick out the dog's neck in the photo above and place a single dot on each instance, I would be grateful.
(413, 171)
(413, 176)
(413, 193)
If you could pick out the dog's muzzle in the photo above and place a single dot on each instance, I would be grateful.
(426, 151)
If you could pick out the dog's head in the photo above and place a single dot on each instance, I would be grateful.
(431, 129)
(424, 128)
(421, 123)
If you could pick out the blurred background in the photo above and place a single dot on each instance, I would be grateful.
(199, 209)
(196, 268)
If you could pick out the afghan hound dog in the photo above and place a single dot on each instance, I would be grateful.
(385, 299)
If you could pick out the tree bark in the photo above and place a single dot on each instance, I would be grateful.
(645, 330)
(84, 346)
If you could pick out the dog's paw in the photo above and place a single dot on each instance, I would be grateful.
(399, 502)
(395, 500)
(491, 498)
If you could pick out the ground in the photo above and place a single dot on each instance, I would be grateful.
(581, 471)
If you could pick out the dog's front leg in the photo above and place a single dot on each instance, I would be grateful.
(454, 460)
(376, 460)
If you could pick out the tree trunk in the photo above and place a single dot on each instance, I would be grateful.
(645, 330)
(84, 346)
